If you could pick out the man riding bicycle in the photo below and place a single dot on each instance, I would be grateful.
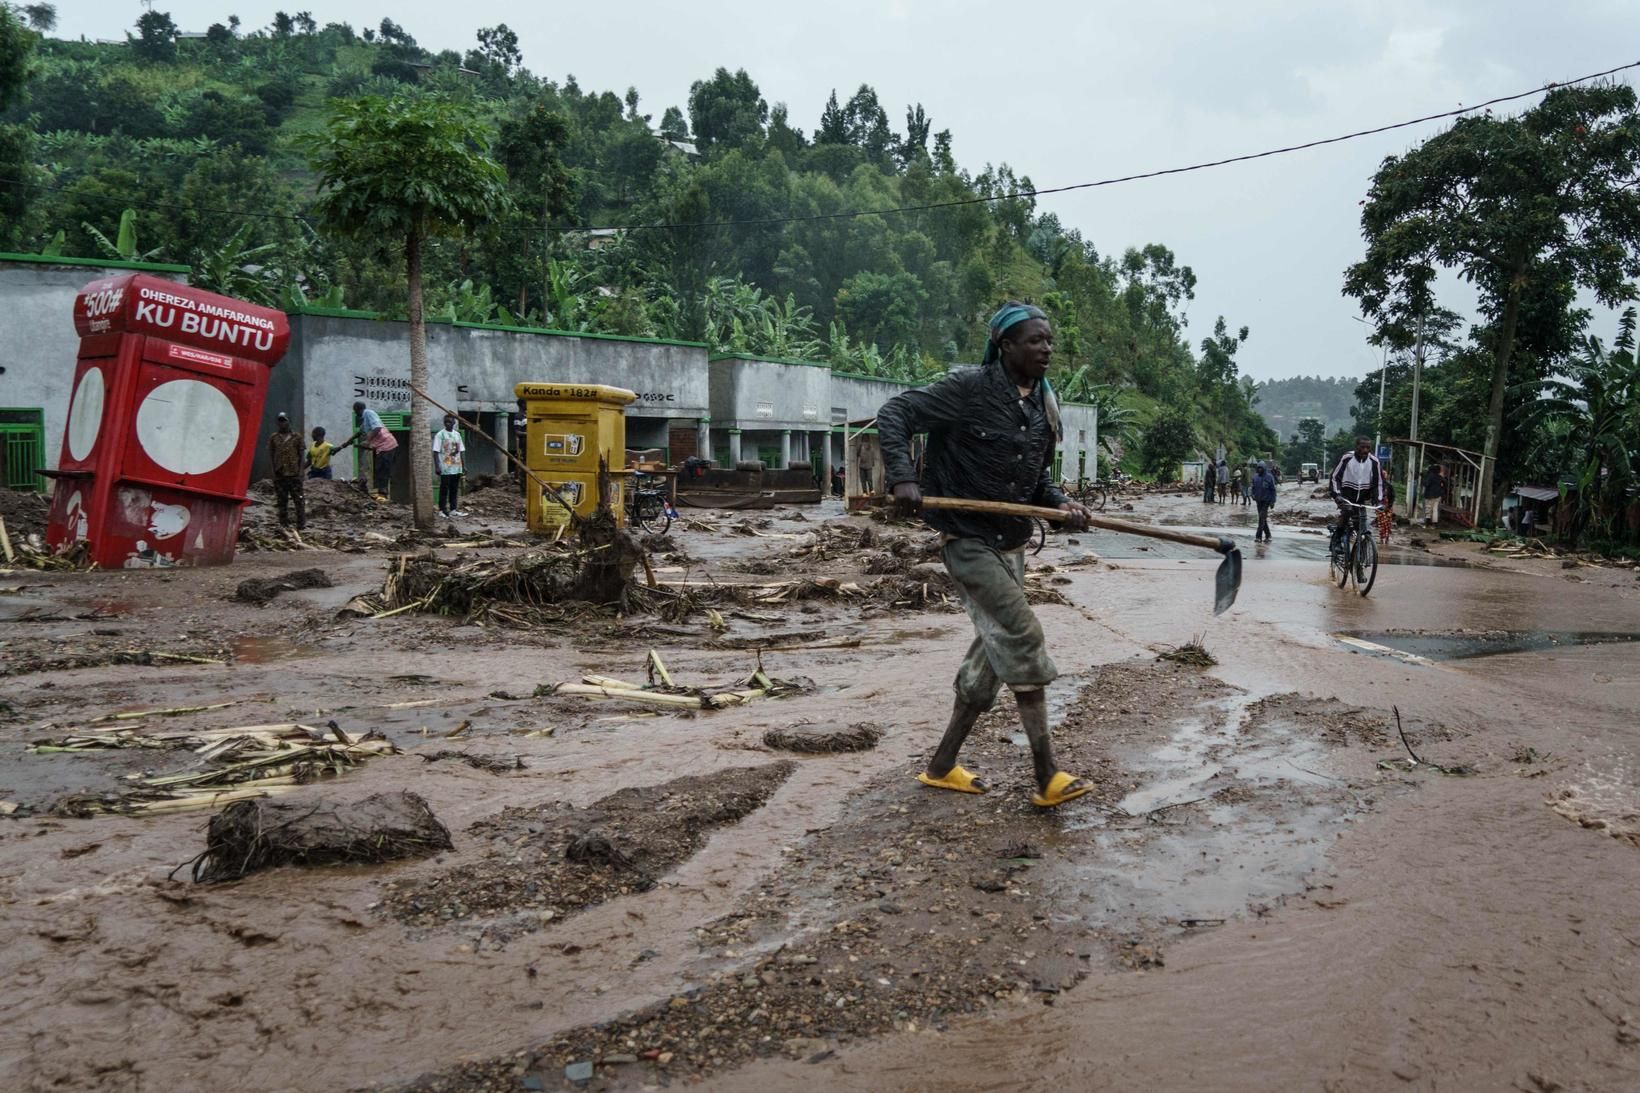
(1357, 480)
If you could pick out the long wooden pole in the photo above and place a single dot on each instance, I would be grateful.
(519, 463)
(1039, 512)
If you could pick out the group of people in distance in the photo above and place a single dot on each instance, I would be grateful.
(290, 458)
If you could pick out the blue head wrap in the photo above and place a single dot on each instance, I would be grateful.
(1007, 315)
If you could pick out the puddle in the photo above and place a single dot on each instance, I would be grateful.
(1467, 645)
(269, 650)
(1269, 816)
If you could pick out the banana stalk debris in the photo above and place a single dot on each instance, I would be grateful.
(662, 691)
(232, 764)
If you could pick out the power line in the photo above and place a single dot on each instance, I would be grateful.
(848, 214)
(979, 200)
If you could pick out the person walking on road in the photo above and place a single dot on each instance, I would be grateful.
(991, 436)
(286, 453)
(1434, 493)
(1264, 495)
(384, 448)
(1224, 480)
(448, 448)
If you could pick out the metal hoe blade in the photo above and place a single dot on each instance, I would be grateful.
(1227, 581)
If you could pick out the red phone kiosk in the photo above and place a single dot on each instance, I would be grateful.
(162, 425)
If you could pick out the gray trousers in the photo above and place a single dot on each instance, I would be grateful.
(1008, 647)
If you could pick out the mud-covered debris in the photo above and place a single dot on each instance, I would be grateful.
(232, 764)
(545, 584)
(261, 590)
(822, 739)
(1192, 654)
(540, 864)
(24, 513)
(495, 764)
(99, 658)
(262, 834)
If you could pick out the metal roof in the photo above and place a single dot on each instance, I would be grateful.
(1538, 493)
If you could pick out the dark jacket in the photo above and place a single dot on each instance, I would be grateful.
(984, 442)
(1434, 485)
(1264, 487)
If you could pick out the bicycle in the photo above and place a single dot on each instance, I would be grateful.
(1092, 493)
(648, 506)
(1356, 556)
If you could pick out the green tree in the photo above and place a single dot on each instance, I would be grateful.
(673, 126)
(1521, 206)
(499, 47)
(156, 38)
(41, 17)
(1306, 446)
(1168, 439)
(726, 111)
(404, 171)
(833, 123)
(16, 62)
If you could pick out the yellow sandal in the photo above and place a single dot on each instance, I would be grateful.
(956, 779)
(1062, 787)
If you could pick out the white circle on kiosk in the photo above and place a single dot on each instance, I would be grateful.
(85, 414)
(187, 426)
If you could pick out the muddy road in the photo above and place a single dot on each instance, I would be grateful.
(1263, 890)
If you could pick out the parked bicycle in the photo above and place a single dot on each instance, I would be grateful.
(1354, 556)
(647, 505)
(1095, 493)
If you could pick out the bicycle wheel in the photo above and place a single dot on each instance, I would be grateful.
(652, 515)
(1366, 563)
(1097, 496)
(1339, 561)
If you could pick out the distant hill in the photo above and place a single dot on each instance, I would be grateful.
(1283, 403)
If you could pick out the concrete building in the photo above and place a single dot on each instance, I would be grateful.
(338, 357)
(731, 408)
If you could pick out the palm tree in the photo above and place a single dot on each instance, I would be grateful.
(399, 171)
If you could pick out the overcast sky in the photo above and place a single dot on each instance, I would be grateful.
(1070, 91)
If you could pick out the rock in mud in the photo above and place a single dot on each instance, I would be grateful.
(265, 833)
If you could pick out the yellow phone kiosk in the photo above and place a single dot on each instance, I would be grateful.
(570, 425)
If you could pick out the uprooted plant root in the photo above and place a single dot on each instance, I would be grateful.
(818, 740)
(537, 585)
(261, 834)
(1192, 654)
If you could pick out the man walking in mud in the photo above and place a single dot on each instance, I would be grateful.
(991, 436)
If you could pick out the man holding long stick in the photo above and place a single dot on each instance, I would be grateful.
(991, 437)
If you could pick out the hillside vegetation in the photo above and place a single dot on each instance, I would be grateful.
(723, 209)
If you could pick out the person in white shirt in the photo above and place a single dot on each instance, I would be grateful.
(448, 448)
(1357, 479)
